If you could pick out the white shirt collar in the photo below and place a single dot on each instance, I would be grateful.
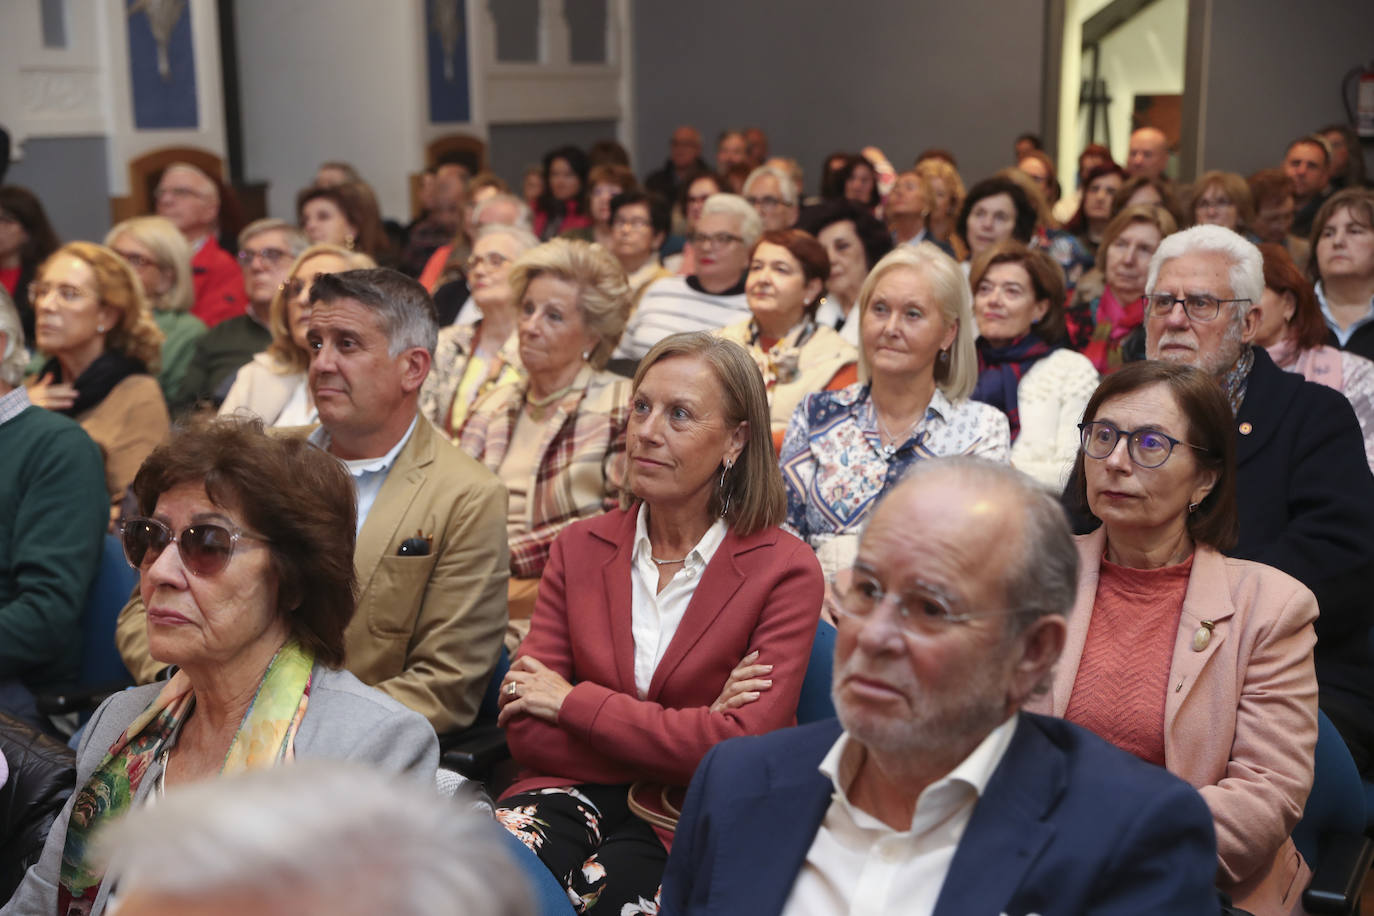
(697, 558)
(360, 466)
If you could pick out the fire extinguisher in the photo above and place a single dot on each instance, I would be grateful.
(1361, 81)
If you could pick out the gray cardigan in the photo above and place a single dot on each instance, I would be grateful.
(346, 720)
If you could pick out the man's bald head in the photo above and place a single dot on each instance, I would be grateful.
(1149, 153)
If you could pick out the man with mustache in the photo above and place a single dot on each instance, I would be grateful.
(933, 793)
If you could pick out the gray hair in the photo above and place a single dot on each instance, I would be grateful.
(296, 241)
(317, 836)
(404, 309)
(750, 225)
(522, 210)
(786, 186)
(1246, 274)
(522, 235)
(14, 358)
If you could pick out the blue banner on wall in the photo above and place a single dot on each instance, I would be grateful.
(162, 64)
(446, 50)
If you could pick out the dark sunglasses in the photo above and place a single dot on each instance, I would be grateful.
(205, 548)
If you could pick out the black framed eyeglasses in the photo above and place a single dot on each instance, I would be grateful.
(922, 610)
(1148, 448)
(1199, 306)
(205, 548)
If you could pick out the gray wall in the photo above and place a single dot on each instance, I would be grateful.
(1277, 75)
(820, 76)
(514, 146)
(68, 175)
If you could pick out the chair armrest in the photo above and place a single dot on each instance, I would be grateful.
(474, 752)
(1341, 869)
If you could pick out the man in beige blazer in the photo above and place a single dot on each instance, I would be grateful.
(431, 554)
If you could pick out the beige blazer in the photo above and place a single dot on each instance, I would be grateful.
(1240, 716)
(128, 424)
(428, 629)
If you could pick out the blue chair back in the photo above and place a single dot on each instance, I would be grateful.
(1337, 802)
(114, 582)
(490, 707)
(814, 703)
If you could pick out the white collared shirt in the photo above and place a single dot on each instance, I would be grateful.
(368, 473)
(1342, 334)
(655, 615)
(857, 865)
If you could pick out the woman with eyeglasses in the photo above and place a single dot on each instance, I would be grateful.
(159, 255)
(1222, 199)
(556, 436)
(93, 325)
(274, 386)
(1190, 660)
(472, 359)
(249, 589)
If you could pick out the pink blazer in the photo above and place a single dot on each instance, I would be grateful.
(758, 592)
(1240, 717)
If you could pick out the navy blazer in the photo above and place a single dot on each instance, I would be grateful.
(1068, 825)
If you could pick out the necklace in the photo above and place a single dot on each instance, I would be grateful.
(666, 562)
(893, 443)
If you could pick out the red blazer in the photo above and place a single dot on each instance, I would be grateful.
(758, 592)
(218, 284)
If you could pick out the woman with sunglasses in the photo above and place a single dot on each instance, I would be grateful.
(273, 386)
(1190, 660)
(472, 359)
(249, 590)
(93, 325)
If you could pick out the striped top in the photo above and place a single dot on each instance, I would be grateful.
(676, 304)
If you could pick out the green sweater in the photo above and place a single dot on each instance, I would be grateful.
(219, 354)
(54, 511)
(181, 330)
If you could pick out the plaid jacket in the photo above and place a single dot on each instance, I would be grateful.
(451, 356)
(582, 457)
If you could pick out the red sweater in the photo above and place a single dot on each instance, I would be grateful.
(218, 284)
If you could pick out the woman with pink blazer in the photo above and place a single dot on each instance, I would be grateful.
(1185, 657)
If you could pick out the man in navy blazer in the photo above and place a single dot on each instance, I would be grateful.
(932, 793)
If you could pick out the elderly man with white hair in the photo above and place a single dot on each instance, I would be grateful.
(53, 511)
(772, 192)
(1304, 489)
(190, 199)
(711, 298)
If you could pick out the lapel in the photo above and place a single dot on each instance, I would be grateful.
(1267, 393)
(615, 585)
(403, 482)
(1009, 826)
(1208, 598)
(719, 582)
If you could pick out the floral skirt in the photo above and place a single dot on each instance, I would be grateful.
(610, 860)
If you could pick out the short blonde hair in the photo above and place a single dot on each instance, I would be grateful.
(289, 357)
(168, 245)
(136, 334)
(603, 292)
(956, 377)
(752, 494)
(931, 169)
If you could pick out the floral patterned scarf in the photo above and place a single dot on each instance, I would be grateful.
(265, 738)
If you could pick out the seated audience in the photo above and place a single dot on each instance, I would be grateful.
(251, 843)
(844, 449)
(556, 436)
(101, 345)
(694, 195)
(1108, 309)
(1036, 165)
(563, 205)
(1343, 266)
(472, 359)
(906, 209)
(1347, 157)
(1024, 369)
(1308, 163)
(53, 512)
(1094, 212)
(854, 242)
(267, 248)
(191, 200)
(684, 161)
(712, 297)
(1272, 194)
(1159, 605)
(1221, 199)
(26, 240)
(442, 219)
(605, 183)
(1142, 191)
(946, 201)
(655, 628)
(274, 386)
(995, 209)
(1148, 154)
(795, 354)
(249, 590)
(1291, 329)
(345, 216)
(640, 223)
(160, 257)
(1304, 488)
(431, 555)
(934, 792)
(771, 192)
(452, 297)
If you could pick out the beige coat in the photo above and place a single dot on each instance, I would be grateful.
(128, 424)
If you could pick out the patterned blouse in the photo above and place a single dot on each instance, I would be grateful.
(833, 460)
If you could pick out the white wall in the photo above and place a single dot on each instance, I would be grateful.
(1143, 57)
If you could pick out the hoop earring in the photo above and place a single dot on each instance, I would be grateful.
(723, 471)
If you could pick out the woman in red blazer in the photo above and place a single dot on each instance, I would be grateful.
(680, 620)
(1185, 657)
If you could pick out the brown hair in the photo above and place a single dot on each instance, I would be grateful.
(1166, 195)
(1149, 214)
(612, 173)
(309, 525)
(1047, 282)
(1360, 203)
(1269, 185)
(135, 334)
(1307, 327)
(752, 495)
(807, 251)
(1233, 186)
(1211, 427)
(358, 204)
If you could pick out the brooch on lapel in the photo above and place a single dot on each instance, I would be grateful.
(1203, 635)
